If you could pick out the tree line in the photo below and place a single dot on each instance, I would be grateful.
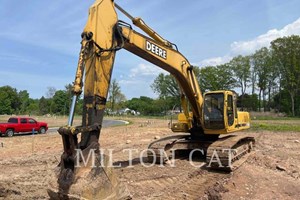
(267, 79)
(19, 102)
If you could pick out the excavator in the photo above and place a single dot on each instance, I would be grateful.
(206, 122)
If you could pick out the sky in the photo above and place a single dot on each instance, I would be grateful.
(40, 40)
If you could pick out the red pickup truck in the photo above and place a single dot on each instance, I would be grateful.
(22, 125)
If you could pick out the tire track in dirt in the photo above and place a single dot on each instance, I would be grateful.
(29, 181)
(183, 181)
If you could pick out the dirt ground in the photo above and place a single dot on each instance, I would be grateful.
(273, 172)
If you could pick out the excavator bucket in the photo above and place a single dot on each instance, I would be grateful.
(95, 179)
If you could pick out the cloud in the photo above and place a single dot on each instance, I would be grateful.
(143, 69)
(264, 40)
(127, 82)
(139, 79)
(215, 61)
(250, 46)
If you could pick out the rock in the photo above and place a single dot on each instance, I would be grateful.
(128, 141)
(185, 194)
(296, 141)
(280, 168)
(170, 163)
(157, 137)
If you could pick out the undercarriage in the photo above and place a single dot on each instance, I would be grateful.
(225, 154)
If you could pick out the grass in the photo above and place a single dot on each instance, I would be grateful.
(283, 126)
(274, 122)
(274, 118)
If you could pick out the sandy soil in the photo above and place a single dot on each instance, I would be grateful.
(273, 172)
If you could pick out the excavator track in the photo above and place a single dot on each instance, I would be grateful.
(230, 152)
(159, 151)
(224, 154)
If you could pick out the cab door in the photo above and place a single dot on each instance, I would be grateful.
(24, 125)
(231, 112)
(32, 124)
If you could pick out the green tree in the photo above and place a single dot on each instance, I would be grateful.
(116, 98)
(10, 101)
(281, 100)
(5, 105)
(262, 63)
(286, 56)
(208, 79)
(79, 106)
(60, 102)
(168, 90)
(166, 86)
(33, 107)
(146, 105)
(250, 102)
(219, 77)
(44, 106)
(240, 66)
(24, 99)
(69, 95)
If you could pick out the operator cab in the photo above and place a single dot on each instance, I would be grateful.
(219, 111)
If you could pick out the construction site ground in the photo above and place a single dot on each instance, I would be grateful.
(272, 172)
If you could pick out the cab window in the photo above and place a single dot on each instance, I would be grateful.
(23, 121)
(13, 120)
(214, 111)
(230, 109)
(32, 121)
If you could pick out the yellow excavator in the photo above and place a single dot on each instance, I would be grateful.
(207, 120)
